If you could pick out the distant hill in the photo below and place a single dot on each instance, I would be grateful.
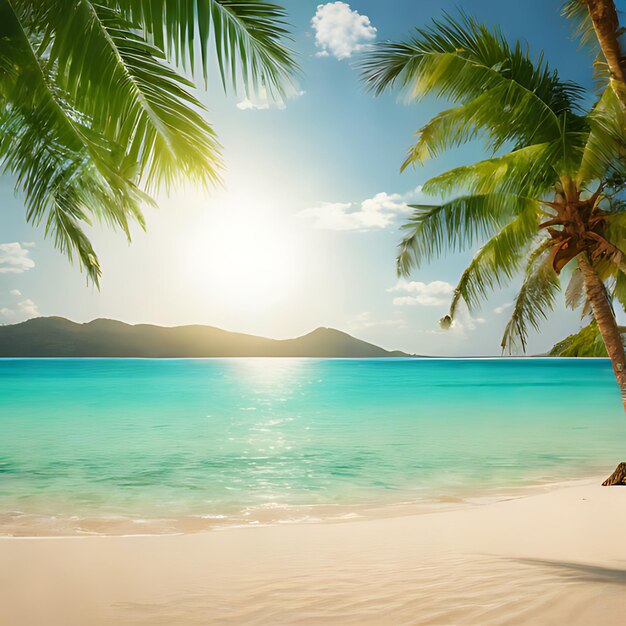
(587, 342)
(59, 337)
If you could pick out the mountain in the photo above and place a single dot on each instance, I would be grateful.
(59, 337)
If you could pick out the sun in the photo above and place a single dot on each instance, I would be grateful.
(244, 252)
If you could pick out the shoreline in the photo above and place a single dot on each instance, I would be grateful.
(273, 514)
(549, 558)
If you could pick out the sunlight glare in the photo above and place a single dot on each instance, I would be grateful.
(244, 252)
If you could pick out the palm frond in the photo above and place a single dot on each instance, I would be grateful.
(63, 186)
(91, 108)
(454, 225)
(460, 59)
(577, 12)
(534, 299)
(70, 239)
(247, 37)
(499, 259)
(489, 116)
(63, 167)
(607, 268)
(529, 171)
(575, 290)
(122, 83)
(604, 151)
(615, 230)
(619, 291)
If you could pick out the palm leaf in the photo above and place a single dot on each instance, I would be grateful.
(90, 106)
(605, 141)
(499, 259)
(529, 171)
(124, 86)
(489, 116)
(615, 230)
(576, 11)
(534, 299)
(454, 225)
(619, 291)
(246, 36)
(459, 59)
(575, 291)
(65, 169)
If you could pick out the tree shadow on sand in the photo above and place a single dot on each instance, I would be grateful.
(579, 572)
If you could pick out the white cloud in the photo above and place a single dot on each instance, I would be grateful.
(367, 320)
(246, 104)
(371, 214)
(14, 258)
(435, 293)
(463, 322)
(23, 311)
(15, 292)
(340, 31)
(262, 102)
(502, 308)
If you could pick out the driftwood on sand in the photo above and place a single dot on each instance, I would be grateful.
(618, 477)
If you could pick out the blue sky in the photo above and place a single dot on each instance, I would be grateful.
(304, 232)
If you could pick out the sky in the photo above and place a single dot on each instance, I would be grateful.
(303, 232)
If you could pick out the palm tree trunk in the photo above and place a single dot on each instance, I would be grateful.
(603, 313)
(606, 26)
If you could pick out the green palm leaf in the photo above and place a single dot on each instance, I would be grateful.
(528, 171)
(454, 225)
(91, 111)
(568, 162)
(476, 119)
(55, 156)
(499, 259)
(535, 298)
(505, 95)
(134, 98)
(615, 230)
(606, 140)
(247, 35)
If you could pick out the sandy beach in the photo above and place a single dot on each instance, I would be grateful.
(550, 558)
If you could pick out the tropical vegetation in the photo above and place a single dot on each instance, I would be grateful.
(587, 342)
(546, 204)
(96, 112)
(598, 26)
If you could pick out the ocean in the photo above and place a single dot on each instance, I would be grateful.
(132, 446)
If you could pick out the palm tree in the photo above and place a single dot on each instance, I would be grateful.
(598, 26)
(547, 202)
(94, 117)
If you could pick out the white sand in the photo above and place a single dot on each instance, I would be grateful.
(556, 558)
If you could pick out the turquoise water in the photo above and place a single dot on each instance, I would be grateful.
(88, 445)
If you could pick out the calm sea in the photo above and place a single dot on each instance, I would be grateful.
(126, 445)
